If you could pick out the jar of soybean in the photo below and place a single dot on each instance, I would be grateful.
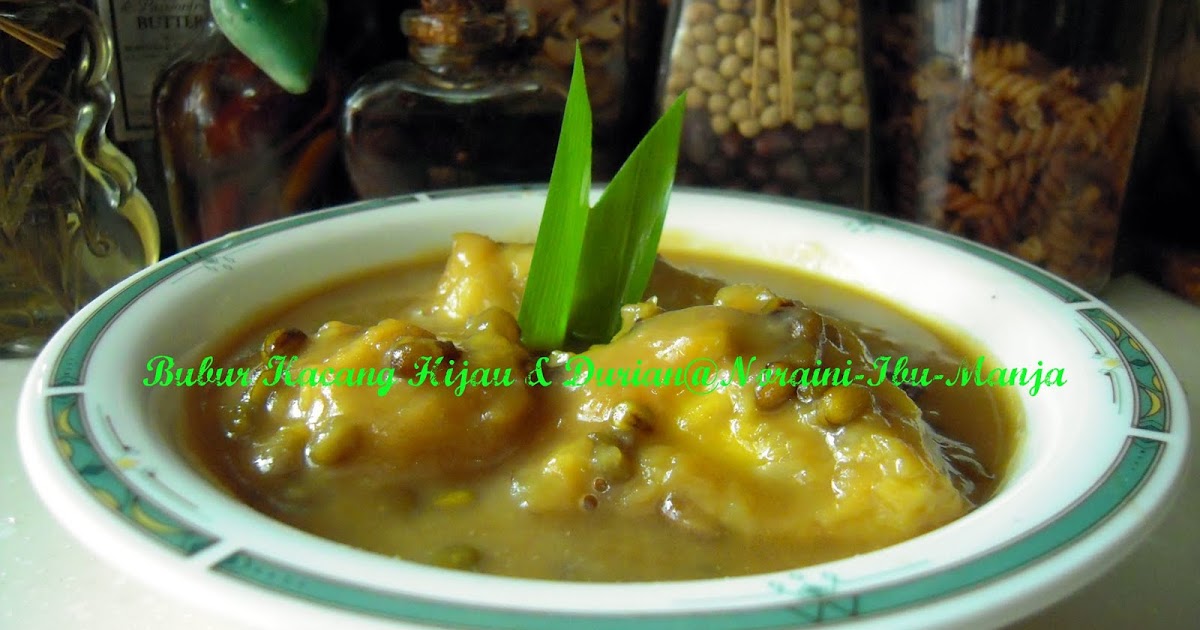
(775, 96)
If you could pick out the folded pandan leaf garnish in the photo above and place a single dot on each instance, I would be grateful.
(589, 261)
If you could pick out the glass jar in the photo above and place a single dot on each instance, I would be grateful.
(237, 149)
(776, 101)
(1166, 217)
(1013, 122)
(72, 223)
(146, 37)
(619, 40)
(460, 112)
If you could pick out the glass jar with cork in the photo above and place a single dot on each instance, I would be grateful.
(464, 110)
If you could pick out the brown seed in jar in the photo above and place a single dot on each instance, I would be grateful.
(772, 143)
(739, 110)
(803, 78)
(718, 103)
(764, 27)
(699, 13)
(771, 117)
(730, 67)
(676, 83)
(812, 42)
(749, 127)
(805, 99)
(765, 77)
(807, 62)
(826, 87)
(831, 9)
(743, 43)
(827, 114)
(854, 117)
(840, 58)
(850, 83)
(736, 89)
(704, 33)
(707, 79)
(773, 92)
(814, 22)
(768, 57)
(707, 55)
(833, 34)
(730, 5)
(803, 121)
(725, 45)
(758, 170)
(720, 124)
(696, 98)
(729, 23)
(731, 145)
(849, 16)
(684, 61)
(850, 37)
(791, 169)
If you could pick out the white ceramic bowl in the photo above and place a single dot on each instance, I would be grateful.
(1099, 459)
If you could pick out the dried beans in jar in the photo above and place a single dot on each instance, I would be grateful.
(776, 101)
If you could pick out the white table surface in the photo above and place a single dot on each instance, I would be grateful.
(48, 581)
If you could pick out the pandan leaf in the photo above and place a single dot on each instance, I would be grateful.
(588, 262)
(553, 272)
(623, 232)
(282, 37)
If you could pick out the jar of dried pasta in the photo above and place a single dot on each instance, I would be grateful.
(776, 101)
(1013, 123)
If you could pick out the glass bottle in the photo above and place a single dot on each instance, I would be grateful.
(72, 223)
(237, 149)
(146, 37)
(463, 111)
(1013, 122)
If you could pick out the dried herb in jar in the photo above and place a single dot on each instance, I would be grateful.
(72, 223)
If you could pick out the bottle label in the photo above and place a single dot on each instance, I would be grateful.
(147, 34)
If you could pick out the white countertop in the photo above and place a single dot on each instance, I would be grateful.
(48, 581)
